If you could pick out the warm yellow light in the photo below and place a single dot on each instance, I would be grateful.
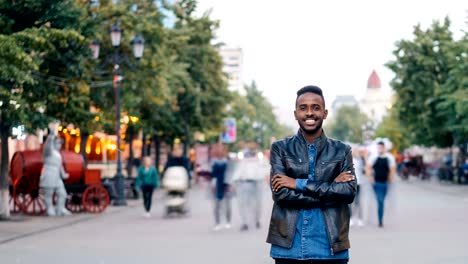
(96, 118)
(65, 130)
(112, 147)
(60, 128)
(177, 141)
(77, 148)
(134, 119)
(98, 149)
(125, 119)
(73, 132)
(88, 146)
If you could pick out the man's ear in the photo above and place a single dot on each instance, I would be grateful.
(325, 114)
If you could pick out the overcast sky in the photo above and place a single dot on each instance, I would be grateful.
(332, 44)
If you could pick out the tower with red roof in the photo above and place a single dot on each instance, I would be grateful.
(377, 101)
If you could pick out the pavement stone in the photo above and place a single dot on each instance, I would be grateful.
(425, 224)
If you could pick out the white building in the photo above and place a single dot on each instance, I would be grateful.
(233, 66)
(343, 100)
(376, 101)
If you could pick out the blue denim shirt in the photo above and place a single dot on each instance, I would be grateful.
(311, 238)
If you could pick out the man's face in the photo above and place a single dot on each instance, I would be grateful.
(381, 148)
(310, 112)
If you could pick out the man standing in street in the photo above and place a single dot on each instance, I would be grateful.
(380, 171)
(313, 183)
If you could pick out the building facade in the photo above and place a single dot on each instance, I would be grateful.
(377, 101)
(233, 67)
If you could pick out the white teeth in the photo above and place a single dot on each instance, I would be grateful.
(310, 122)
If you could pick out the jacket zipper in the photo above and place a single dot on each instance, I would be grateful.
(323, 214)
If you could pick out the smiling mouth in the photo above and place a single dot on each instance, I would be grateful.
(310, 122)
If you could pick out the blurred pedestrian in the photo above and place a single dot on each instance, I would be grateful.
(221, 187)
(247, 176)
(380, 171)
(147, 181)
(399, 162)
(357, 206)
(177, 158)
(465, 169)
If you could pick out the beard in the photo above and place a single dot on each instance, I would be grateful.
(313, 131)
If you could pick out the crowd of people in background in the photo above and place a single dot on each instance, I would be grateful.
(241, 175)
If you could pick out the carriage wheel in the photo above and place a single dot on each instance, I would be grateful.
(74, 202)
(33, 203)
(14, 208)
(95, 199)
(27, 197)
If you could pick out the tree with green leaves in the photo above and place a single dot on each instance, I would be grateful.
(202, 99)
(348, 124)
(391, 128)
(256, 121)
(431, 86)
(42, 53)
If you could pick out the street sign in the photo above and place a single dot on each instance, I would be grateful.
(229, 133)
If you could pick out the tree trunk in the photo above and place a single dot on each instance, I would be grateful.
(187, 139)
(143, 146)
(4, 192)
(157, 156)
(130, 154)
(84, 140)
(148, 147)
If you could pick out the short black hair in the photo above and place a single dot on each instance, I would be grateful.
(310, 89)
(381, 143)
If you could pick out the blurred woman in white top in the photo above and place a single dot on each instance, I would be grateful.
(357, 206)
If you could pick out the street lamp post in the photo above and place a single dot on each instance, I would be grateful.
(138, 46)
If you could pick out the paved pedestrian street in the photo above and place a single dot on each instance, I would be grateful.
(427, 223)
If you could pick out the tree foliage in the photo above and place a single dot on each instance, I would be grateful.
(391, 128)
(431, 86)
(348, 124)
(178, 87)
(42, 55)
(256, 121)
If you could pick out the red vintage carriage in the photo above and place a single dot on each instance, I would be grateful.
(84, 187)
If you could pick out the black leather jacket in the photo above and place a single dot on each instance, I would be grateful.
(290, 157)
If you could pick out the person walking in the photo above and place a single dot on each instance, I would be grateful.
(147, 181)
(380, 171)
(313, 183)
(221, 187)
(177, 159)
(247, 177)
(356, 206)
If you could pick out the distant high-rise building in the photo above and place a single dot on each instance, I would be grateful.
(376, 101)
(233, 66)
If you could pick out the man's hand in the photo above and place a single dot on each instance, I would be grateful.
(283, 181)
(345, 176)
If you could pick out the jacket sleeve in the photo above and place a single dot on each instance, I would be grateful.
(288, 197)
(340, 192)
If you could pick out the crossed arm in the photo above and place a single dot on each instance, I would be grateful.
(311, 194)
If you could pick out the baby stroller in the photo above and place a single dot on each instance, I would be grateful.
(176, 184)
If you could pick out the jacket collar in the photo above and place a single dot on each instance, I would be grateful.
(319, 142)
